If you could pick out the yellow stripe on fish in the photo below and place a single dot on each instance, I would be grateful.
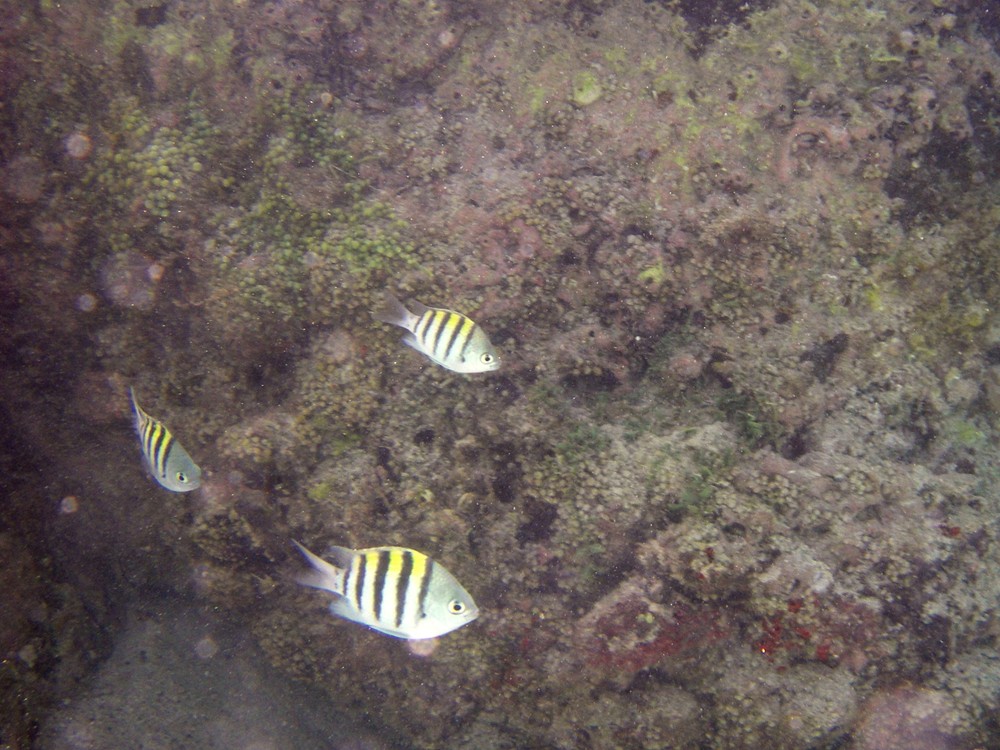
(449, 338)
(394, 590)
(165, 458)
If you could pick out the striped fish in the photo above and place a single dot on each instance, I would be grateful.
(447, 337)
(166, 459)
(396, 591)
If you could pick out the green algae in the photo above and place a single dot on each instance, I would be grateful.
(752, 418)
(283, 236)
(581, 442)
(586, 88)
(653, 276)
(320, 492)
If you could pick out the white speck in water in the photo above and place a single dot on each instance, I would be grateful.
(447, 39)
(69, 504)
(155, 272)
(78, 145)
(206, 647)
(86, 302)
(422, 648)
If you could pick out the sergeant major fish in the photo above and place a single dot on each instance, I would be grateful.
(166, 459)
(447, 337)
(396, 591)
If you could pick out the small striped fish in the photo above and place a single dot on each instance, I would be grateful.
(396, 591)
(166, 459)
(447, 337)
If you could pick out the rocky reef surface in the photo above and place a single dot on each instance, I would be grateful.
(736, 483)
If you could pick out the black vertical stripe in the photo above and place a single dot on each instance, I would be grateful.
(459, 325)
(381, 568)
(166, 449)
(359, 579)
(402, 585)
(425, 587)
(147, 440)
(420, 330)
(465, 344)
(428, 332)
(152, 441)
(445, 317)
(157, 445)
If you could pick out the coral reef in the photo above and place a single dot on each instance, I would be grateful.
(735, 485)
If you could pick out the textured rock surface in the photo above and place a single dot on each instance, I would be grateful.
(738, 475)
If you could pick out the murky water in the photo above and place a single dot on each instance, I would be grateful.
(733, 485)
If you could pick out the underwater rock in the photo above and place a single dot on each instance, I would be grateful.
(23, 178)
(910, 717)
(806, 706)
(23, 600)
(130, 280)
(666, 716)
(180, 679)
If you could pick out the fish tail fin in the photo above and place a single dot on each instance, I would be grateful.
(137, 413)
(394, 312)
(323, 575)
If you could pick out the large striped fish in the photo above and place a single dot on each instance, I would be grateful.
(396, 591)
(166, 459)
(447, 337)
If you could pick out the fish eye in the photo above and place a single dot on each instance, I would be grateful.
(456, 607)
(486, 358)
(182, 477)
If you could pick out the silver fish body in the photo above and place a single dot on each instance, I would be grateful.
(165, 458)
(449, 338)
(394, 590)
